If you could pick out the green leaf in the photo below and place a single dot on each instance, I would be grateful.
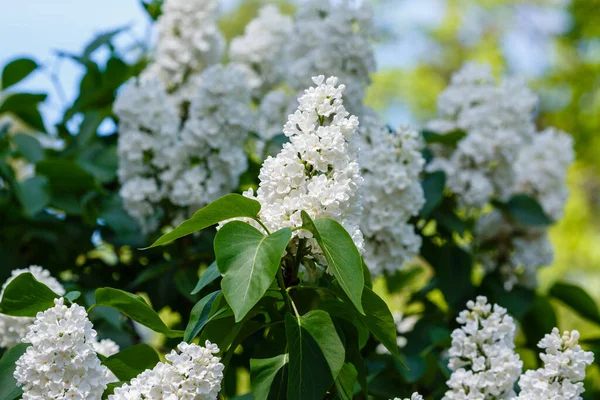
(72, 296)
(25, 107)
(8, 384)
(25, 296)
(345, 381)
(367, 275)
(132, 361)
(227, 207)
(65, 175)
(449, 139)
(526, 210)
(208, 277)
(316, 355)
(29, 147)
(266, 377)
(17, 70)
(110, 389)
(100, 40)
(135, 308)
(576, 298)
(33, 195)
(200, 316)
(342, 255)
(539, 321)
(248, 261)
(433, 189)
(89, 126)
(380, 321)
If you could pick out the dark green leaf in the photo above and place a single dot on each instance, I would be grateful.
(227, 207)
(17, 70)
(89, 126)
(266, 377)
(208, 277)
(8, 384)
(342, 255)
(248, 261)
(316, 355)
(539, 321)
(65, 175)
(153, 8)
(345, 382)
(526, 210)
(25, 296)
(135, 308)
(110, 389)
(33, 195)
(448, 139)
(378, 318)
(29, 147)
(576, 298)
(132, 361)
(433, 188)
(100, 40)
(200, 316)
(25, 107)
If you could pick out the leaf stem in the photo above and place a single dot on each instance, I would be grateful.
(91, 308)
(286, 296)
(263, 226)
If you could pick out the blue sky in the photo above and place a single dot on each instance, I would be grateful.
(37, 28)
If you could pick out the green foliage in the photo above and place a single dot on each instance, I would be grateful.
(135, 308)
(25, 296)
(342, 255)
(8, 384)
(525, 209)
(17, 70)
(268, 377)
(576, 298)
(227, 207)
(248, 261)
(132, 361)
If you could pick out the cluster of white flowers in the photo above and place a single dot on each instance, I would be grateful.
(563, 371)
(482, 356)
(514, 251)
(13, 329)
(541, 170)
(334, 40)
(262, 46)
(61, 362)
(414, 396)
(404, 324)
(188, 41)
(391, 164)
(317, 171)
(193, 373)
(187, 162)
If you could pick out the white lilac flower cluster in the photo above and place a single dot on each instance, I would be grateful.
(498, 121)
(482, 356)
(262, 46)
(183, 162)
(563, 371)
(13, 329)
(333, 39)
(414, 396)
(404, 324)
(188, 41)
(391, 163)
(193, 373)
(61, 362)
(317, 171)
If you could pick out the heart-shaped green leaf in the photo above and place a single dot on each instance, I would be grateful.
(132, 361)
(25, 296)
(248, 261)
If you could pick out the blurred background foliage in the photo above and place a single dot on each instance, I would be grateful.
(553, 44)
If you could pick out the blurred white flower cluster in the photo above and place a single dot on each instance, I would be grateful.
(391, 163)
(414, 396)
(485, 365)
(14, 329)
(188, 41)
(192, 373)
(500, 156)
(563, 371)
(317, 171)
(61, 362)
(497, 120)
(482, 356)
